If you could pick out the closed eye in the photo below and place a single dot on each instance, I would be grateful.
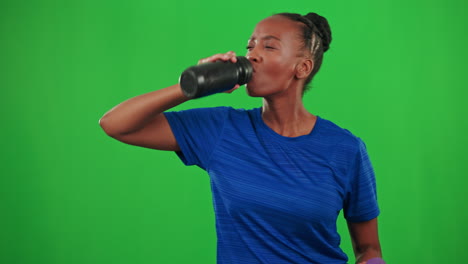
(266, 47)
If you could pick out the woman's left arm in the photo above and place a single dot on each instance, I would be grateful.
(365, 240)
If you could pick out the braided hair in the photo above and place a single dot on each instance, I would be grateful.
(316, 35)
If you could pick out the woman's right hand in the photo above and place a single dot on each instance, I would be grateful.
(228, 56)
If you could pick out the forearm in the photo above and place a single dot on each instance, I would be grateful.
(136, 112)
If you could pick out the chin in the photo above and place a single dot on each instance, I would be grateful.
(257, 91)
(251, 91)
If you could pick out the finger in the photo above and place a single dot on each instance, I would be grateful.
(233, 89)
(232, 56)
(209, 59)
(222, 56)
(228, 56)
(234, 59)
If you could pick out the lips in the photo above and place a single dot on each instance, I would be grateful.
(253, 68)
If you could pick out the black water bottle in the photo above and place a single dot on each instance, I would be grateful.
(215, 77)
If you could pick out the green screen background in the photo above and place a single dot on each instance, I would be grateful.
(395, 76)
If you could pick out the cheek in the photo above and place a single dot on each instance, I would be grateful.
(275, 76)
(280, 69)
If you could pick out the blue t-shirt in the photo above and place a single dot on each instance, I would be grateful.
(276, 198)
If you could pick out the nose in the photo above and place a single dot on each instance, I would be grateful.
(253, 56)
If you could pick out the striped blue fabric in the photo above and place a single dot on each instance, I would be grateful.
(276, 198)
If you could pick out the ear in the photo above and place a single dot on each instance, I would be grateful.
(304, 68)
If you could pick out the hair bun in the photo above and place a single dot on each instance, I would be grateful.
(322, 27)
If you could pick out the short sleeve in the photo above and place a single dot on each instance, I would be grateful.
(361, 197)
(197, 132)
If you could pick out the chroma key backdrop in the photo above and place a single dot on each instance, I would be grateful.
(395, 75)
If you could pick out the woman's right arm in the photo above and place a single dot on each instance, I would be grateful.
(140, 120)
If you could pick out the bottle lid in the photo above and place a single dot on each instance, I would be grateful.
(189, 84)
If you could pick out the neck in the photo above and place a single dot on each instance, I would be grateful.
(287, 116)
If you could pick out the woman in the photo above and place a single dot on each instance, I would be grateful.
(279, 174)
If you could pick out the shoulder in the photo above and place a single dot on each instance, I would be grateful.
(214, 113)
(340, 136)
(203, 110)
(227, 112)
(205, 115)
(217, 110)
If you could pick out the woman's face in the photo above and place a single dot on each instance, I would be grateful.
(273, 50)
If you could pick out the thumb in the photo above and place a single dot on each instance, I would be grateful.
(232, 90)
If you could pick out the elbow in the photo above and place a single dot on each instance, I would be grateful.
(104, 123)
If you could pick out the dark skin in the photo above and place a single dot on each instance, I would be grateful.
(281, 66)
(275, 50)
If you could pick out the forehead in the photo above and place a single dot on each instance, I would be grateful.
(278, 26)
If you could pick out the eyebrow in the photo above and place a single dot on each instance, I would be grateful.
(267, 37)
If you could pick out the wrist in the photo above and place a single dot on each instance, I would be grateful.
(375, 261)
